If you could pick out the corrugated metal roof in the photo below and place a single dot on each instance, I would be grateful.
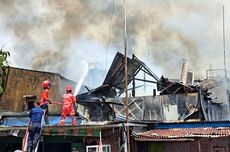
(185, 133)
(187, 124)
(116, 73)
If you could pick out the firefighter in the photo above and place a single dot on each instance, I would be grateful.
(35, 126)
(68, 106)
(44, 99)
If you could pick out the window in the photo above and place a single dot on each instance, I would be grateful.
(94, 148)
(29, 101)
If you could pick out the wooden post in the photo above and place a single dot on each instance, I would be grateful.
(126, 80)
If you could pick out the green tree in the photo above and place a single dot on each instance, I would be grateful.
(3, 63)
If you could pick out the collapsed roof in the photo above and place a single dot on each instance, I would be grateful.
(113, 86)
(116, 74)
(115, 78)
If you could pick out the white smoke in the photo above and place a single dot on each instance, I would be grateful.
(57, 35)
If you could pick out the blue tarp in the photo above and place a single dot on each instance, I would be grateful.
(24, 121)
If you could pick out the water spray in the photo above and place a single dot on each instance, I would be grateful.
(85, 68)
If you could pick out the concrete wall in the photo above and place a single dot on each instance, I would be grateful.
(20, 82)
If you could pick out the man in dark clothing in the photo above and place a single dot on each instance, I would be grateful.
(36, 115)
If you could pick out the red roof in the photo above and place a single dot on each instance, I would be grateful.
(185, 133)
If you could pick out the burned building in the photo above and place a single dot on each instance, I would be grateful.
(201, 100)
(107, 95)
(180, 99)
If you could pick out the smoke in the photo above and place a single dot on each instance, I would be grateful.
(50, 61)
(57, 35)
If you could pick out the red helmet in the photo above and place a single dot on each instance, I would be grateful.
(68, 88)
(46, 84)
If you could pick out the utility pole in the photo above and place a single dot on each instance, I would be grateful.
(225, 70)
(126, 80)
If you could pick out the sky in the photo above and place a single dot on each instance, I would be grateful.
(60, 36)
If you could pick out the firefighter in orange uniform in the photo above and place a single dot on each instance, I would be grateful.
(68, 106)
(44, 99)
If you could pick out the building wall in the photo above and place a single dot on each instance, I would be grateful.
(205, 144)
(160, 107)
(181, 147)
(20, 82)
(221, 93)
(111, 136)
(220, 144)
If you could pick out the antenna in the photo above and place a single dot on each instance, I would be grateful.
(225, 70)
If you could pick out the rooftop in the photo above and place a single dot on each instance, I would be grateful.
(186, 134)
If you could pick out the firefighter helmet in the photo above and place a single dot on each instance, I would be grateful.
(46, 84)
(68, 88)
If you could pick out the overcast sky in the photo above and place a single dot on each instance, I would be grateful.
(60, 35)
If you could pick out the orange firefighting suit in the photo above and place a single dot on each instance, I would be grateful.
(44, 101)
(68, 108)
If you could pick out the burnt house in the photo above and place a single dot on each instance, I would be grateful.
(203, 100)
(106, 97)
(181, 99)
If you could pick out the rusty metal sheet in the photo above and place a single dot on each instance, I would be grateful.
(175, 133)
